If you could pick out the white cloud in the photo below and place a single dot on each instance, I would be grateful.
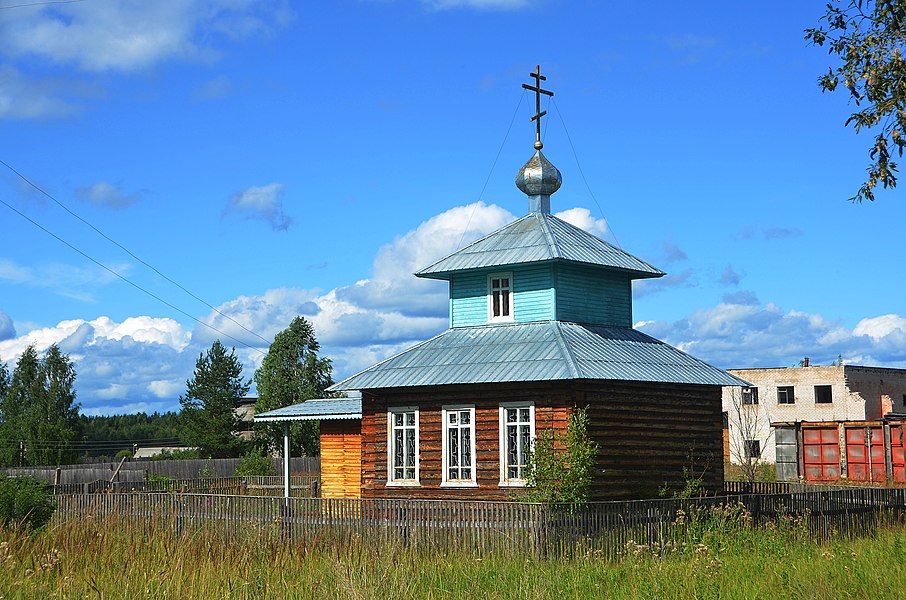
(13, 273)
(138, 359)
(479, 4)
(124, 36)
(132, 34)
(374, 317)
(75, 335)
(22, 97)
(261, 203)
(879, 328)
(106, 194)
(741, 332)
(581, 218)
(393, 287)
(7, 329)
(167, 388)
(70, 281)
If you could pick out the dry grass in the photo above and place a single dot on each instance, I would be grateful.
(112, 559)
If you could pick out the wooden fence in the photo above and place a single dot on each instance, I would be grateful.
(302, 486)
(137, 470)
(493, 527)
(787, 487)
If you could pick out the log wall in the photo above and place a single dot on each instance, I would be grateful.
(654, 436)
(341, 455)
(648, 433)
(552, 407)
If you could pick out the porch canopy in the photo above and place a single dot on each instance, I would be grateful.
(316, 409)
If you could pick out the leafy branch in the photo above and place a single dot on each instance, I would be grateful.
(868, 36)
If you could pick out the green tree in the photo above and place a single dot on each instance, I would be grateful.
(40, 417)
(208, 416)
(868, 37)
(24, 503)
(292, 372)
(4, 381)
(561, 465)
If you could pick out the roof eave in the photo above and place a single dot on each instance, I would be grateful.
(326, 417)
(446, 275)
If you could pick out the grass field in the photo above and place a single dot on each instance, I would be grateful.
(115, 560)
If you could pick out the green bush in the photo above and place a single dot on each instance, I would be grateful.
(24, 502)
(561, 465)
(124, 453)
(254, 464)
(178, 454)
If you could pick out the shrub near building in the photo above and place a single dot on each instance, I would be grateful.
(24, 503)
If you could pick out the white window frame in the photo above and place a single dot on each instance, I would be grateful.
(391, 481)
(830, 388)
(789, 392)
(445, 448)
(504, 480)
(752, 396)
(510, 303)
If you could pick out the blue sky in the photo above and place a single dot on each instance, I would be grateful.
(279, 159)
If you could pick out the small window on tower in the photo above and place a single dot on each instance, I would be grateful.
(500, 297)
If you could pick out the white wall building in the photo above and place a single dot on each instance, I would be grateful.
(792, 394)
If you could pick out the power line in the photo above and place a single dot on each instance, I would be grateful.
(491, 172)
(40, 3)
(130, 253)
(582, 173)
(129, 281)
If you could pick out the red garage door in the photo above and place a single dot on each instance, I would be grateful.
(821, 453)
(897, 454)
(865, 453)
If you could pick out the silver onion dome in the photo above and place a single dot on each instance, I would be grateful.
(538, 179)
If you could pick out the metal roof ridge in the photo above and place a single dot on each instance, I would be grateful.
(566, 350)
(335, 387)
(551, 240)
(609, 245)
(467, 246)
(743, 382)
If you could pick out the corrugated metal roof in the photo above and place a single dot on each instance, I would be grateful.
(543, 351)
(538, 237)
(315, 410)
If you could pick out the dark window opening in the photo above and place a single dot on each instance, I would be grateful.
(753, 448)
(750, 395)
(823, 394)
(786, 395)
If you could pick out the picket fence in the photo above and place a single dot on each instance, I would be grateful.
(506, 528)
(302, 486)
(139, 470)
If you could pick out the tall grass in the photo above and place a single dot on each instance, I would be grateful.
(717, 554)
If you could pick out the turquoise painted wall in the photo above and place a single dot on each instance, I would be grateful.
(469, 299)
(533, 298)
(560, 291)
(589, 295)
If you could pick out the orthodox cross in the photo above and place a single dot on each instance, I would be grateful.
(538, 112)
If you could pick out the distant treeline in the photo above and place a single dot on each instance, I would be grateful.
(110, 434)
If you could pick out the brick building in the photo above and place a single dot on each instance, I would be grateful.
(805, 394)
